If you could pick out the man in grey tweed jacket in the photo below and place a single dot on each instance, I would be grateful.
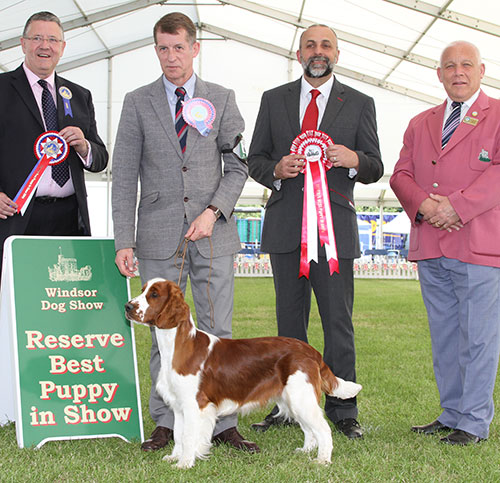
(184, 194)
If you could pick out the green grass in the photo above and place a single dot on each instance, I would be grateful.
(393, 364)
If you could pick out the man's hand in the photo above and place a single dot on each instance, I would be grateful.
(439, 213)
(126, 263)
(342, 157)
(202, 226)
(289, 166)
(445, 216)
(74, 137)
(7, 206)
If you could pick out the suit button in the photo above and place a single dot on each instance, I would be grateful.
(186, 199)
(184, 168)
(434, 161)
(435, 185)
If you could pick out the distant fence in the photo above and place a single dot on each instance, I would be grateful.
(259, 265)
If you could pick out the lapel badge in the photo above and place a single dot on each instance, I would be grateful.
(470, 120)
(66, 94)
(484, 156)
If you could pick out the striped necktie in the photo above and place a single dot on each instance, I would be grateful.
(451, 123)
(180, 123)
(60, 172)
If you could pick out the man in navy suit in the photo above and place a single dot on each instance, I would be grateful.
(58, 207)
(348, 117)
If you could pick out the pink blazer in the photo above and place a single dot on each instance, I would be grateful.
(467, 170)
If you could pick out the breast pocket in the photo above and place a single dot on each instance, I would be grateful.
(481, 153)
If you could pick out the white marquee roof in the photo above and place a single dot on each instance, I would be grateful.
(388, 49)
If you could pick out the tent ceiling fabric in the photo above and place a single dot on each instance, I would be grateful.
(388, 46)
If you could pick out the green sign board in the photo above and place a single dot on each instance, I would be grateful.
(72, 350)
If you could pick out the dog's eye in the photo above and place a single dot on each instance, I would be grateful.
(154, 294)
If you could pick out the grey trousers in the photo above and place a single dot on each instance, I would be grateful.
(218, 301)
(463, 308)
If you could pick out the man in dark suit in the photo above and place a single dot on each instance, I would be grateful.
(348, 117)
(59, 205)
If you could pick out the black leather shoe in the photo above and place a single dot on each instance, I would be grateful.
(431, 428)
(160, 437)
(350, 427)
(233, 438)
(461, 438)
(269, 421)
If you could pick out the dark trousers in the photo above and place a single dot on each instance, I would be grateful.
(335, 296)
(54, 217)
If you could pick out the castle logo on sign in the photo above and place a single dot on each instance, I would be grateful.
(66, 270)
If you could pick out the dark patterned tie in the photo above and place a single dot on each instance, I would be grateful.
(180, 123)
(451, 123)
(60, 172)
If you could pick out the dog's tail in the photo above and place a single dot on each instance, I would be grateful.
(335, 386)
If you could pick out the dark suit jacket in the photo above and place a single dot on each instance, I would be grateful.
(349, 119)
(20, 126)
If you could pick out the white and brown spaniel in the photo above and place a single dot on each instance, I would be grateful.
(204, 377)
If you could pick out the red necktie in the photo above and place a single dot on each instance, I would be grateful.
(311, 116)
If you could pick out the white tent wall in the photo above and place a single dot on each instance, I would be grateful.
(377, 39)
(240, 69)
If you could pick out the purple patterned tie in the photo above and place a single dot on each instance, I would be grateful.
(451, 123)
(180, 123)
(60, 172)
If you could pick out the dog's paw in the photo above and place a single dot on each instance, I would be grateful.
(170, 457)
(184, 464)
(323, 461)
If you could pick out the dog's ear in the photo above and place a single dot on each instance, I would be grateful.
(175, 310)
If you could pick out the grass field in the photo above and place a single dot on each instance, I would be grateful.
(393, 365)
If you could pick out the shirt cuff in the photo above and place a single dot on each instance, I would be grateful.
(87, 161)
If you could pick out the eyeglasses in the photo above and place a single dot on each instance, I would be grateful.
(38, 39)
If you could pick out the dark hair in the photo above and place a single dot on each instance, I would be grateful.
(173, 22)
(46, 17)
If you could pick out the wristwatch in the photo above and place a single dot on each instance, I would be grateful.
(216, 211)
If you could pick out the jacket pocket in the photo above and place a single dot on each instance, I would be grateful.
(480, 154)
(485, 233)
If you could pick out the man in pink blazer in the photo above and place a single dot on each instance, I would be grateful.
(449, 187)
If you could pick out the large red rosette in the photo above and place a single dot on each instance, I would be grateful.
(316, 211)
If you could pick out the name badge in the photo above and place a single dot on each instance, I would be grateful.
(470, 120)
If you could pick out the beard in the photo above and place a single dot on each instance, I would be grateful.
(320, 71)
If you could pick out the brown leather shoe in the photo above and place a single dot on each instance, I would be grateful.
(160, 437)
(232, 437)
(431, 428)
(461, 438)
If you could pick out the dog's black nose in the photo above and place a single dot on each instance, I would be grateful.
(128, 307)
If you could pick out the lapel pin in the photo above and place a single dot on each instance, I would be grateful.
(66, 94)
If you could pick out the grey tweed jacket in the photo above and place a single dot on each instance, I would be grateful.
(174, 185)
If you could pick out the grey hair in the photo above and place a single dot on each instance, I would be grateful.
(46, 17)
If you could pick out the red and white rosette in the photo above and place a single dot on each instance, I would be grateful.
(50, 149)
(316, 211)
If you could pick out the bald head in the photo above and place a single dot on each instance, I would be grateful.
(318, 53)
(461, 70)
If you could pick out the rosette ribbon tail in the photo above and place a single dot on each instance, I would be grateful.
(317, 219)
(67, 108)
(24, 195)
